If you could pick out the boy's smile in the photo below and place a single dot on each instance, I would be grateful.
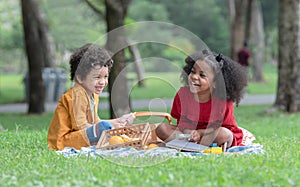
(95, 81)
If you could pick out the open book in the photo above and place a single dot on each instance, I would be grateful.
(185, 145)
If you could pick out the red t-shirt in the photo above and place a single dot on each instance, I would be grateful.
(191, 114)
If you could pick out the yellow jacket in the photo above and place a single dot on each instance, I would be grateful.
(71, 118)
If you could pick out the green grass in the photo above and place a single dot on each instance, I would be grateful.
(26, 161)
(157, 85)
(11, 88)
(269, 85)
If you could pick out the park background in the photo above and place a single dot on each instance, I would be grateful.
(25, 159)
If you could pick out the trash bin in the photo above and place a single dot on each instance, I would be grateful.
(60, 85)
(49, 78)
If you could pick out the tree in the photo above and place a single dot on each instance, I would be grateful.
(46, 41)
(247, 25)
(40, 53)
(237, 21)
(34, 49)
(256, 38)
(116, 12)
(115, 16)
(288, 90)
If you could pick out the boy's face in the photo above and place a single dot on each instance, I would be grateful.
(95, 81)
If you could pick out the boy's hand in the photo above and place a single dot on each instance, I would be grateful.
(127, 119)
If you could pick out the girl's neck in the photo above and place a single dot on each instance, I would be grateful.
(202, 98)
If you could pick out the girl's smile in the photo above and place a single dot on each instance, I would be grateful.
(200, 79)
(195, 84)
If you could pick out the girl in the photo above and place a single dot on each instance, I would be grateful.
(204, 106)
(75, 122)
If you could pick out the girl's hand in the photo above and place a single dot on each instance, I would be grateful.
(195, 136)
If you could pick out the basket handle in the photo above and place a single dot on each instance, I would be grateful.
(160, 114)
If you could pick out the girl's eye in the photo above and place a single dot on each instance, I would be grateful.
(202, 75)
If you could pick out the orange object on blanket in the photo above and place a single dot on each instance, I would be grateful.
(161, 114)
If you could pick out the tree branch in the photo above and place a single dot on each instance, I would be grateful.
(95, 8)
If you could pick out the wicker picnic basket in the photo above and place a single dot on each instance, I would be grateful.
(141, 134)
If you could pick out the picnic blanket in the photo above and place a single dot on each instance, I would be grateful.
(154, 152)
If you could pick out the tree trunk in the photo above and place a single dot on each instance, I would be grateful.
(46, 40)
(248, 20)
(119, 96)
(48, 46)
(137, 60)
(34, 55)
(237, 10)
(257, 40)
(288, 90)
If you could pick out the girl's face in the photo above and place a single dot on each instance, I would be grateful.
(95, 81)
(201, 78)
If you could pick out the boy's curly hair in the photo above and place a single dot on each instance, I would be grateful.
(227, 73)
(88, 56)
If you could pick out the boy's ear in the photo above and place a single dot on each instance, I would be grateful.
(79, 79)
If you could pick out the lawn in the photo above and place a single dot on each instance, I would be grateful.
(26, 161)
(157, 85)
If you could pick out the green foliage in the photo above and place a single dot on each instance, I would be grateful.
(146, 10)
(11, 30)
(270, 9)
(26, 161)
(204, 19)
(191, 16)
(73, 24)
